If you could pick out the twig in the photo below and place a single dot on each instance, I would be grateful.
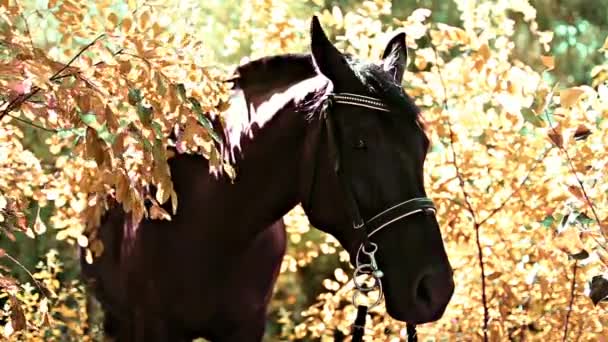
(84, 48)
(10, 257)
(476, 224)
(572, 288)
(573, 171)
(521, 184)
(27, 122)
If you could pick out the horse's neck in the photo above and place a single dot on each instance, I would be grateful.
(269, 151)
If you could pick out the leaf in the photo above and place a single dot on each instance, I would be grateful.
(145, 113)
(181, 91)
(93, 148)
(577, 192)
(568, 241)
(582, 255)
(548, 61)
(134, 96)
(47, 320)
(556, 137)
(529, 116)
(548, 221)
(569, 97)
(90, 119)
(174, 201)
(204, 121)
(582, 132)
(605, 46)
(163, 191)
(39, 226)
(158, 213)
(598, 289)
(104, 134)
(17, 316)
(494, 275)
(113, 19)
(8, 284)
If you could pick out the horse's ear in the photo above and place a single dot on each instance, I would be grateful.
(330, 62)
(394, 57)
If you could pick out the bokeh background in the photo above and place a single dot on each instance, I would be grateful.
(517, 108)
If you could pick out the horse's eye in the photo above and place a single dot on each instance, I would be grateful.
(360, 144)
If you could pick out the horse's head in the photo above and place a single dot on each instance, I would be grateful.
(367, 179)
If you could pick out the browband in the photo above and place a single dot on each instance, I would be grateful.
(359, 100)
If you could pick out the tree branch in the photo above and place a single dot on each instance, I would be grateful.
(572, 288)
(27, 122)
(476, 224)
(20, 99)
(573, 171)
(521, 184)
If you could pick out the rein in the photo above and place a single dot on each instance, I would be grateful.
(373, 225)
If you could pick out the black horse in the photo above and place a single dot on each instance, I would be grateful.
(332, 132)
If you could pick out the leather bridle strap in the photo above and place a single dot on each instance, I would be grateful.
(376, 223)
(399, 212)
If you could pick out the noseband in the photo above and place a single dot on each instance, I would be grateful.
(373, 225)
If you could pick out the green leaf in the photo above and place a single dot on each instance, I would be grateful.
(134, 96)
(122, 122)
(548, 221)
(181, 91)
(160, 85)
(68, 133)
(144, 113)
(104, 134)
(531, 117)
(204, 121)
(158, 151)
(525, 131)
(158, 130)
(90, 119)
(584, 220)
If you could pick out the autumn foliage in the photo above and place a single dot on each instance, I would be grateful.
(517, 164)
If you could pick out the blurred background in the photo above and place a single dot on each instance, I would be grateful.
(315, 270)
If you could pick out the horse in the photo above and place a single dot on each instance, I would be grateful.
(326, 130)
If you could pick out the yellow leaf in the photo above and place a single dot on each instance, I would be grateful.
(144, 20)
(569, 97)
(569, 241)
(113, 19)
(548, 61)
(173, 201)
(605, 46)
(337, 16)
(577, 192)
(556, 137)
(163, 190)
(83, 241)
(127, 23)
(158, 213)
(39, 226)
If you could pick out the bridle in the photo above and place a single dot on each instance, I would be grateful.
(373, 225)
